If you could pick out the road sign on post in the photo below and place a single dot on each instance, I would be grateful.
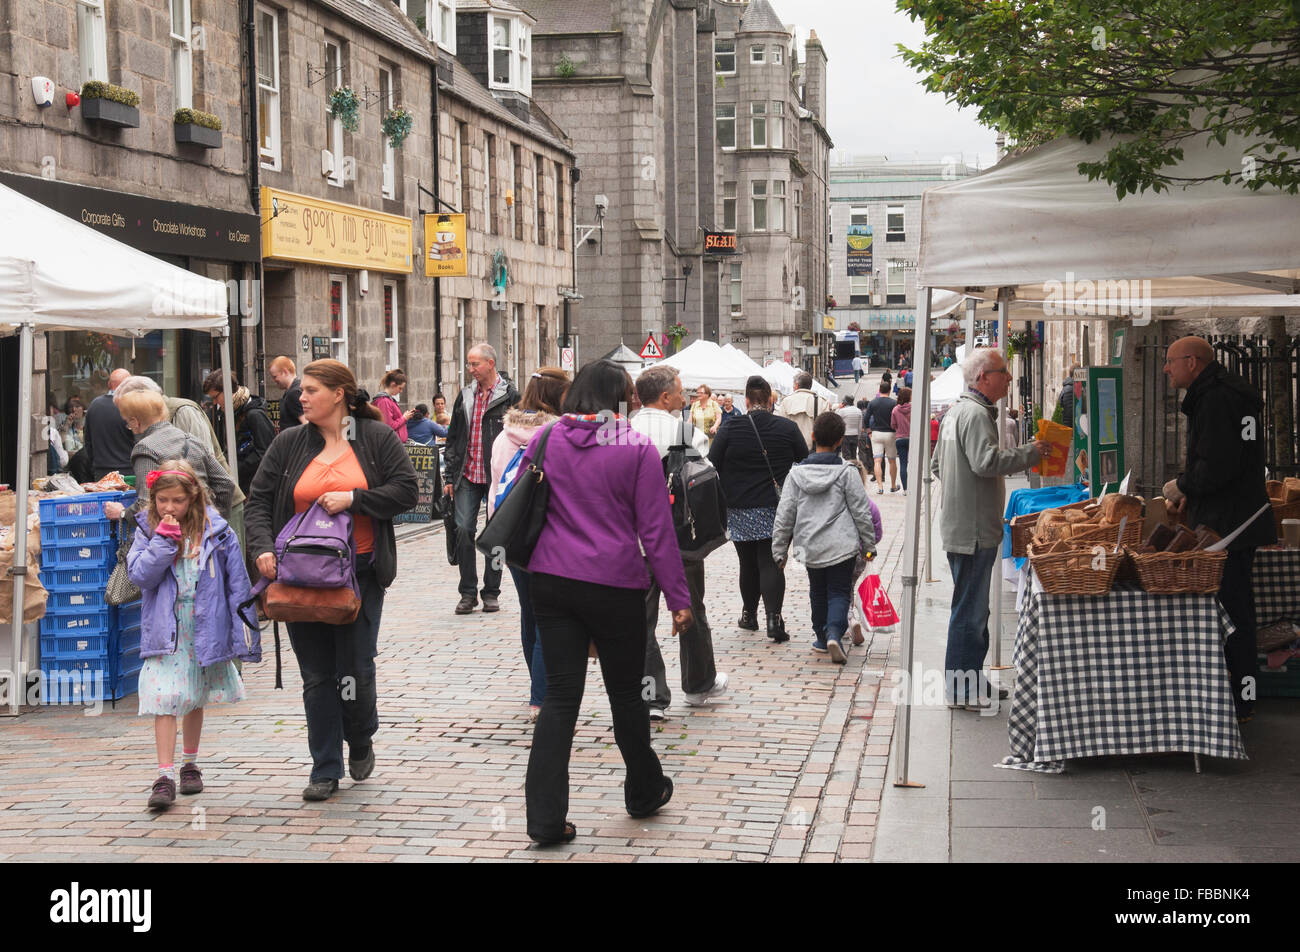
(566, 359)
(651, 350)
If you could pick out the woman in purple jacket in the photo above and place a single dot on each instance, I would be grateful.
(589, 583)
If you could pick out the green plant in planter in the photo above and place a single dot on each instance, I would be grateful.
(564, 67)
(397, 124)
(346, 107)
(118, 94)
(676, 332)
(198, 118)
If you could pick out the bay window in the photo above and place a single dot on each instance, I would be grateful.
(758, 196)
(758, 125)
(726, 125)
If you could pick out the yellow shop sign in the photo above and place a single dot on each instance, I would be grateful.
(302, 228)
(446, 251)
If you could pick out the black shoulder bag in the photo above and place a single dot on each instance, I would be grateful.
(516, 524)
(775, 484)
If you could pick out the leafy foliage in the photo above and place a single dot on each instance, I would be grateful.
(345, 106)
(1158, 74)
(196, 117)
(98, 90)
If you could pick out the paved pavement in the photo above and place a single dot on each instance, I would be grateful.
(788, 766)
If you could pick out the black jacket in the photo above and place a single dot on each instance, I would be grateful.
(393, 487)
(736, 455)
(504, 396)
(254, 432)
(108, 439)
(1224, 478)
(1066, 400)
(291, 405)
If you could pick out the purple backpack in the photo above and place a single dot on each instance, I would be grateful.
(315, 551)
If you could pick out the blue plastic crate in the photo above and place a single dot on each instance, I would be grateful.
(79, 600)
(129, 663)
(88, 508)
(128, 639)
(76, 555)
(66, 646)
(66, 686)
(72, 533)
(128, 616)
(79, 622)
(76, 580)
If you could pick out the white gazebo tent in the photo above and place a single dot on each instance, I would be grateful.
(704, 362)
(1209, 250)
(58, 274)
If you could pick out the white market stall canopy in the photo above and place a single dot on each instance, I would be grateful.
(781, 376)
(704, 362)
(1034, 223)
(64, 275)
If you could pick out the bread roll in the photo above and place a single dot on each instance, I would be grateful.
(1116, 507)
(1075, 516)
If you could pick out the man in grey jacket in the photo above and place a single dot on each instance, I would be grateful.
(971, 467)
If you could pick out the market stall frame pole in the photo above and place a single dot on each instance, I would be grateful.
(229, 415)
(17, 677)
(920, 436)
(1004, 325)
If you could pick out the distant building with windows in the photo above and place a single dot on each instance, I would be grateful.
(875, 232)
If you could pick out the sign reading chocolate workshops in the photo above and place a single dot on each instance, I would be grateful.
(316, 231)
(425, 461)
(148, 224)
(446, 252)
(719, 243)
(859, 250)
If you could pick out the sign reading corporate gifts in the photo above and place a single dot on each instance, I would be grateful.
(446, 253)
(315, 231)
(719, 243)
(859, 250)
(424, 459)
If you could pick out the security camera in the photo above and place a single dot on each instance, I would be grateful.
(602, 205)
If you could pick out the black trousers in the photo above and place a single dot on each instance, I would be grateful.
(570, 614)
(1238, 600)
(759, 575)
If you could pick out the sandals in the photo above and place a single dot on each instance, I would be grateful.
(570, 831)
(663, 801)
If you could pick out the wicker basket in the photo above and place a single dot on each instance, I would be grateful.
(1285, 510)
(1180, 573)
(1022, 527)
(1106, 535)
(1072, 572)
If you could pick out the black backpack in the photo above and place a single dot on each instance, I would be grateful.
(695, 492)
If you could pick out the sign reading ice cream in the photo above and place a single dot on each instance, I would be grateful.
(302, 228)
(445, 253)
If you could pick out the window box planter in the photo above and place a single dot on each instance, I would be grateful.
(111, 113)
(191, 133)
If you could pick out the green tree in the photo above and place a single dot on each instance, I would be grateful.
(1157, 73)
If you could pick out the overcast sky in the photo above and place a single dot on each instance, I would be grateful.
(877, 105)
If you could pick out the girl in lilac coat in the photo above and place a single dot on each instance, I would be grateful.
(191, 574)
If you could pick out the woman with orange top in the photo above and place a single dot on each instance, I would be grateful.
(345, 458)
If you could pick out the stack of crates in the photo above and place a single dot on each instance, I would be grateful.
(90, 650)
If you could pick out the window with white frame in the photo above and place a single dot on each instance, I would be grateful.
(92, 40)
(795, 213)
(182, 58)
(777, 55)
(728, 206)
(268, 86)
(758, 196)
(391, 325)
(778, 125)
(778, 205)
(386, 102)
(894, 223)
(724, 56)
(726, 124)
(446, 31)
(758, 125)
(895, 282)
(334, 125)
(859, 215)
(736, 290)
(756, 54)
(511, 55)
(860, 289)
(338, 305)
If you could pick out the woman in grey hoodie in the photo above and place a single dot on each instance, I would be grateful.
(825, 512)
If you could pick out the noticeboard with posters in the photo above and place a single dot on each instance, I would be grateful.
(425, 461)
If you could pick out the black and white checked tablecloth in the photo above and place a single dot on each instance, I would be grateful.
(1275, 578)
(1124, 673)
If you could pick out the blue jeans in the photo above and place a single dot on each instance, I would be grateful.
(530, 637)
(968, 625)
(829, 590)
(337, 663)
(467, 500)
(902, 443)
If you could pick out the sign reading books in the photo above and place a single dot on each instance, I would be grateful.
(446, 253)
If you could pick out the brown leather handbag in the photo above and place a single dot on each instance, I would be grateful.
(325, 606)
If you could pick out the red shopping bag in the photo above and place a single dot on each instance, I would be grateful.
(876, 604)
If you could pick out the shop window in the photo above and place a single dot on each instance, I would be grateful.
(338, 306)
(268, 86)
(182, 57)
(726, 125)
(92, 40)
(724, 57)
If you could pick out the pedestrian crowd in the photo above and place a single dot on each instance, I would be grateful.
(633, 505)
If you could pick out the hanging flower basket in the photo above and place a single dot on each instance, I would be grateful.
(397, 123)
(677, 332)
(1023, 342)
(346, 107)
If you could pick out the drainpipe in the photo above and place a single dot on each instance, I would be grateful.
(254, 189)
(437, 195)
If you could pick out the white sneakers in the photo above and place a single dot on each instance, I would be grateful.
(719, 688)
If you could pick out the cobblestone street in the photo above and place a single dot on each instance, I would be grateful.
(788, 766)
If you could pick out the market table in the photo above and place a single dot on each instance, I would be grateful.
(1275, 578)
(1124, 673)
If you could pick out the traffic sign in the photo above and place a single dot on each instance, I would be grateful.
(651, 349)
(566, 359)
